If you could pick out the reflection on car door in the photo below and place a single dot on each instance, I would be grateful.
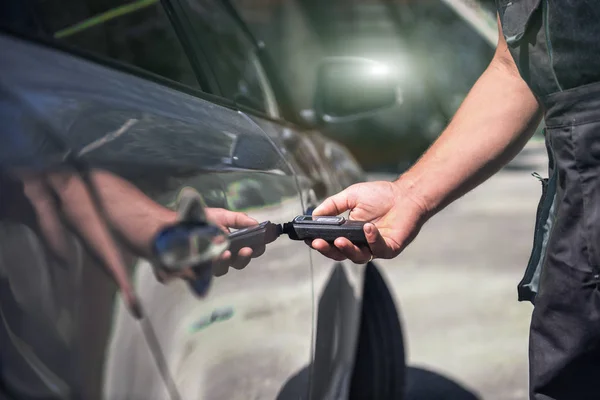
(322, 168)
(250, 336)
(337, 285)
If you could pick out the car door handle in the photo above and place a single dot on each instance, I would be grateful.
(188, 248)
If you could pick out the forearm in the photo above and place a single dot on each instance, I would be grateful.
(495, 121)
(135, 216)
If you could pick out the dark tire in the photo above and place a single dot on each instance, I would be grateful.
(379, 366)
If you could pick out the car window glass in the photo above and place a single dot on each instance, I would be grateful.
(235, 63)
(137, 33)
(292, 41)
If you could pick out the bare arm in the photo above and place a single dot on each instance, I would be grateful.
(495, 121)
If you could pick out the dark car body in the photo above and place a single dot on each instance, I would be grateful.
(112, 98)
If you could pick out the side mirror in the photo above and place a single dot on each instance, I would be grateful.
(349, 88)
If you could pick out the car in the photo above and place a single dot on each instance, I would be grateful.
(126, 124)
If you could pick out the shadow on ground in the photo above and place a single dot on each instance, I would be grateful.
(422, 384)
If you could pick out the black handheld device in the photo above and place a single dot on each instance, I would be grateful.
(328, 228)
(254, 236)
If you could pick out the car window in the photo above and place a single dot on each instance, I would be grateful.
(419, 38)
(137, 33)
(236, 65)
(292, 41)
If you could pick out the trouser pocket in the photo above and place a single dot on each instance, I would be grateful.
(528, 287)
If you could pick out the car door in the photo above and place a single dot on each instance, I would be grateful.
(321, 172)
(322, 168)
(119, 93)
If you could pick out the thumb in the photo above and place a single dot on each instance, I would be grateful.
(335, 204)
(229, 219)
(238, 220)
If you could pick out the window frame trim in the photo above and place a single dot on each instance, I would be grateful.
(194, 51)
(288, 112)
(48, 40)
(119, 66)
(262, 72)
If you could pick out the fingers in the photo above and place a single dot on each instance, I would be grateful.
(377, 244)
(230, 219)
(343, 248)
(238, 261)
(240, 220)
(358, 255)
(242, 259)
(258, 251)
(336, 204)
(327, 249)
(221, 266)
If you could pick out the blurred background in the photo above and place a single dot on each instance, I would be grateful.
(437, 48)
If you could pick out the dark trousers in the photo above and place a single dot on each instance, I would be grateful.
(565, 328)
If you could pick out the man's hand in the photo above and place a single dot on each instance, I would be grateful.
(492, 125)
(394, 217)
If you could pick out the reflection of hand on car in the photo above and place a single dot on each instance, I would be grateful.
(138, 218)
(64, 193)
(111, 204)
(222, 220)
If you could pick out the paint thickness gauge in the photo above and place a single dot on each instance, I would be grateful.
(303, 227)
(309, 227)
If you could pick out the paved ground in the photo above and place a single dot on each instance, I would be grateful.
(456, 284)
